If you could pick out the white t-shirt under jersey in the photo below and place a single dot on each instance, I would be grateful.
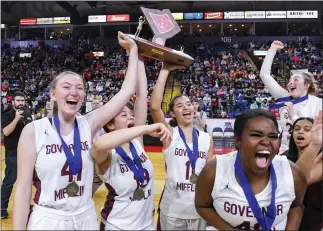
(231, 204)
(178, 197)
(118, 211)
(308, 108)
(51, 174)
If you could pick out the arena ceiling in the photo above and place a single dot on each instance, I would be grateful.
(12, 11)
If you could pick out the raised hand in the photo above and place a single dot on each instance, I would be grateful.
(159, 130)
(317, 130)
(277, 45)
(126, 42)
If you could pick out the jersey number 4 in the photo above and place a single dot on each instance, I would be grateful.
(66, 172)
(246, 226)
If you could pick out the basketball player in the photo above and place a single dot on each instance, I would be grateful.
(185, 156)
(124, 166)
(63, 200)
(298, 101)
(252, 188)
(311, 165)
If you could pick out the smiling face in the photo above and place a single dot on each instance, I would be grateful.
(297, 86)
(258, 144)
(68, 92)
(183, 111)
(125, 119)
(302, 133)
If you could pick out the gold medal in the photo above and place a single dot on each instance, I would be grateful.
(138, 195)
(193, 178)
(72, 189)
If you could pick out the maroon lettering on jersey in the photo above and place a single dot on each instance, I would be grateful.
(143, 158)
(245, 211)
(58, 148)
(188, 187)
(182, 152)
(61, 193)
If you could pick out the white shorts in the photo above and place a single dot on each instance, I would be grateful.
(173, 223)
(45, 219)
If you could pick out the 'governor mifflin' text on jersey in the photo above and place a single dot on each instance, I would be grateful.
(119, 211)
(230, 201)
(179, 193)
(52, 175)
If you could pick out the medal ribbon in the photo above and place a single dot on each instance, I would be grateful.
(74, 161)
(281, 101)
(265, 221)
(192, 155)
(135, 165)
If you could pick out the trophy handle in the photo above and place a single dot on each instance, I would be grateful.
(139, 27)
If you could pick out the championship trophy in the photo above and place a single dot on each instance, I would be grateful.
(164, 26)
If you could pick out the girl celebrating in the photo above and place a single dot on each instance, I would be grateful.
(298, 101)
(54, 155)
(311, 165)
(124, 166)
(252, 188)
(185, 156)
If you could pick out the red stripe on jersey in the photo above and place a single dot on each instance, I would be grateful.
(37, 184)
(109, 202)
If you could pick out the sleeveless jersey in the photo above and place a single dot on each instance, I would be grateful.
(307, 108)
(179, 193)
(119, 211)
(52, 175)
(231, 203)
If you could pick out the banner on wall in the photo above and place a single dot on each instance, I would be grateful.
(62, 20)
(276, 14)
(193, 16)
(97, 18)
(222, 134)
(302, 14)
(178, 16)
(44, 21)
(234, 15)
(213, 15)
(118, 18)
(28, 21)
(254, 14)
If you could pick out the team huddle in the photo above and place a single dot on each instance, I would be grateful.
(251, 188)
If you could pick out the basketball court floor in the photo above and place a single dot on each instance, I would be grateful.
(99, 197)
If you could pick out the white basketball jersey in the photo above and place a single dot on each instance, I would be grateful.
(230, 201)
(179, 193)
(307, 108)
(119, 211)
(52, 175)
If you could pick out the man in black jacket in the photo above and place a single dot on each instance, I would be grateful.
(12, 123)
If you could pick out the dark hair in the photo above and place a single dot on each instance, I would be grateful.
(18, 93)
(129, 105)
(243, 118)
(293, 150)
(173, 121)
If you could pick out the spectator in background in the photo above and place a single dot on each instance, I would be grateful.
(5, 106)
(200, 116)
(254, 105)
(12, 123)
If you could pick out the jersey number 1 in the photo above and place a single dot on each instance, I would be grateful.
(66, 172)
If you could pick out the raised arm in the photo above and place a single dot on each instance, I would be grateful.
(141, 96)
(307, 159)
(26, 164)
(265, 73)
(105, 143)
(204, 200)
(295, 213)
(158, 92)
(98, 118)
